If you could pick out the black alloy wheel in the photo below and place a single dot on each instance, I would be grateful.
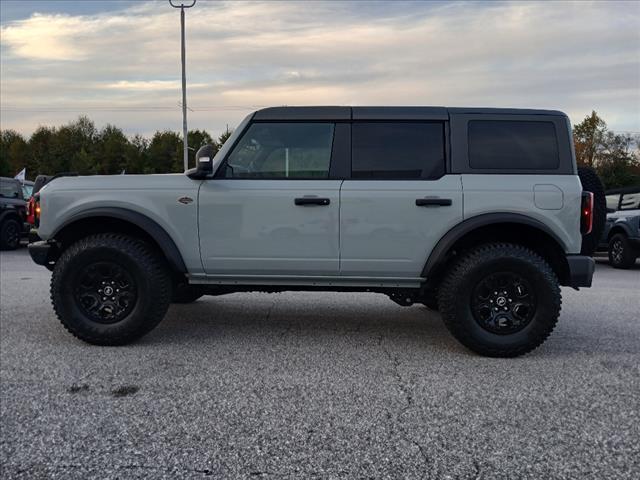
(503, 303)
(105, 292)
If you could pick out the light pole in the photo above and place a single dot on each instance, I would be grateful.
(185, 144)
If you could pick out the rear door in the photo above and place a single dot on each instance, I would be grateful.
(273, 208)
(399, 200)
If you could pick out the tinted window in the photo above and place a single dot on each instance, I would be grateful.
(397, 150)
(9, 189)
(513, 145)
(282, 150)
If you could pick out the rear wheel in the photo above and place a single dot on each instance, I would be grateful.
(500, 300)
(10, 234)
(621, 254)
(110, 289)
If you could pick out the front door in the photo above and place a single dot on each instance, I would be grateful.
(272, 209)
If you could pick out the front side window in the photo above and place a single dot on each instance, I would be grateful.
(282, 151)
(513, 145)
(397, 150)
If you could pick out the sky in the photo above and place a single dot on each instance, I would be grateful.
(118, 62)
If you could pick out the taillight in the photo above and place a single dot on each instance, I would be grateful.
(36, 212)
(586, 213)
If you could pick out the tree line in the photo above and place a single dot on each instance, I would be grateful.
(80, 147)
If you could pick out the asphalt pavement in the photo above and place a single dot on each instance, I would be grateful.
(317, 385)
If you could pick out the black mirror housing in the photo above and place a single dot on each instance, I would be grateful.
(204, 162)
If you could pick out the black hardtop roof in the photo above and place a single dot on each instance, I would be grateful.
(386, 113)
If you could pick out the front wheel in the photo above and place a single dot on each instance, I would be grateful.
(500, 300)
(110, 289)
(621, 254)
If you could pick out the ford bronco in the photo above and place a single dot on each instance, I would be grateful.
(478, 213)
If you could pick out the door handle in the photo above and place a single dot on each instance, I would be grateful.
(433, 202)
(312, 201)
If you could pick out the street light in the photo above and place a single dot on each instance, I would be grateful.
(182, 6)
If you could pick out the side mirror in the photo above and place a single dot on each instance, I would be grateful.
(204, 162)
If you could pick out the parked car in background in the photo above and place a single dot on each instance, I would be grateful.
(621, 235)
(12, 213)
(33, 207)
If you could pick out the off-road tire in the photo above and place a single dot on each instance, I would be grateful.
(455, 296)
(185, 293)
(145, 266)
(592, 183)
(9, 234)
(624, 258)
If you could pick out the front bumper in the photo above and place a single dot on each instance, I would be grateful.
(581, 270)
(41, 252)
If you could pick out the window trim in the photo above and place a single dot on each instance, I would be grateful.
(445, 150)
(219, 173)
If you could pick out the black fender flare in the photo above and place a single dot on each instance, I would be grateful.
(439, 252)
(619, 227)
(155, 231)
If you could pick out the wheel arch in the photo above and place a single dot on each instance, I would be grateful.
(115, 219)
(618, 228)
(497, 227)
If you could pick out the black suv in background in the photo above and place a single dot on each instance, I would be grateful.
(621, 235)
(12, 213)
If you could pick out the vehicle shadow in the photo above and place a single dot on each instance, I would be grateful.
(299, 318)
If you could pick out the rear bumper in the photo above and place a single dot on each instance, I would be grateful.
(581, 270)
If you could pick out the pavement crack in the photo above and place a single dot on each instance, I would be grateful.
(408, 398)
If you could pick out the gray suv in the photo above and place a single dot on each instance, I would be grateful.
(478, 213)
(621, 235)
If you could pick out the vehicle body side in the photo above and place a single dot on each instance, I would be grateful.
(372, 233)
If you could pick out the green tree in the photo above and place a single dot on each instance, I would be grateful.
(165, 153)
(40, 151)
(196, 139)
(587, 137)
(14, 153)
(224, 136)
(612, 155)
(111, 148)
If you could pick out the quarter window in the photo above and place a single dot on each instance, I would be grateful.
(513, 145)
(282, 150)
(397, 150)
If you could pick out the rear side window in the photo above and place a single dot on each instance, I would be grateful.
(397, 150)
(508, 145)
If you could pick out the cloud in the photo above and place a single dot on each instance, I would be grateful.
(570, 56)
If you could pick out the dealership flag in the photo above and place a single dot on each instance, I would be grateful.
(21, 176)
